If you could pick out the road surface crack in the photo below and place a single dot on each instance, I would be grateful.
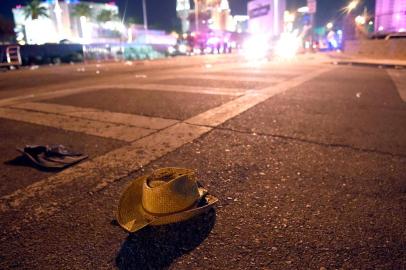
(335, 145)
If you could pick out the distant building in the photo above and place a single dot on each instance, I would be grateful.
(390, 16)
(206, 15)
(266, 17)
(62, 23)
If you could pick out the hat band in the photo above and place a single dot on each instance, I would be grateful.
(175, 212)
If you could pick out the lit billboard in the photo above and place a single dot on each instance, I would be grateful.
(266, 17)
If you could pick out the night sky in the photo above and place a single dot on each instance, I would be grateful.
(162, 13)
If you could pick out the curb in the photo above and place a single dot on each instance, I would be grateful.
(367, 64)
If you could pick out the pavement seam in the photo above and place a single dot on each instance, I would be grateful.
(336, 145)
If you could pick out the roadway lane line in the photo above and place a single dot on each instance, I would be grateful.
(219, 115)
(91, 127)
(399, 78)
(141, 85)
(50, 195)
(100, 171)
(99, 115)
(240, 78)
(191, 89)
(53, 94)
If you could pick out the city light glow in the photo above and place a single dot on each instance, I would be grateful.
(303, 9)
(329, 25)
(256, 48)
(288, 45)
(360, 20)
(351, 6)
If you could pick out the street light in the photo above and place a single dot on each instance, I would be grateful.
(329, 25)
(196, 15)
(144, 13)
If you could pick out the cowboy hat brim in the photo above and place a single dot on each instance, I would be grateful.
(132, 217)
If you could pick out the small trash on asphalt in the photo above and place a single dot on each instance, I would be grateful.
(167, 195)
(51, 156)
(358, 95)
(128, 63)
(140, 76)
(97, 71)
(34, 67)
(208, 65)
(81, 69)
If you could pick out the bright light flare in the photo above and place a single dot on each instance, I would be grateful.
(329, 25)
(360, 20)
(303, 9)
(287, 46)
(351, 6)
(182, 48)
(171, 50)
(256, 48)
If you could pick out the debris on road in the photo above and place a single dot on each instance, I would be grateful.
(51, 156)
(164, 196)
(140, 76)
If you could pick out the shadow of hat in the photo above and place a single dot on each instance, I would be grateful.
(155, 247)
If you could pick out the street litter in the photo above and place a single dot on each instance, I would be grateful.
(51, 156)
(140, 76)
(34, 67)
(209, 65)
(128, 63)
(97, 71)
(168, 195)
(81, 69)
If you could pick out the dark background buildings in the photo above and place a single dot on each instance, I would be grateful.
(162, 14)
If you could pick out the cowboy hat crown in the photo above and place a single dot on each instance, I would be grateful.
(168, 195)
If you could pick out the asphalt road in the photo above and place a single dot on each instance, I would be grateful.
(307, 159)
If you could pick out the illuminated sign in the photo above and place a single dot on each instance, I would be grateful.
(259, 11)
(266, 17)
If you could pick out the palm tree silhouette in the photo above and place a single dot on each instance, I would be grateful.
(34, 10)
(106, 16)
(82, 10)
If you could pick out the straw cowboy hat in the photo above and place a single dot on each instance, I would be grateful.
(168, 195)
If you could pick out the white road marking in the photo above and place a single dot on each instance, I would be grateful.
(54, 94)
(234, 78)
(43, 198)
(98, 172)
(219, 115)
(99, 115)
(130, 85)
(399, 78)
(106, 130)
(192, 89)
